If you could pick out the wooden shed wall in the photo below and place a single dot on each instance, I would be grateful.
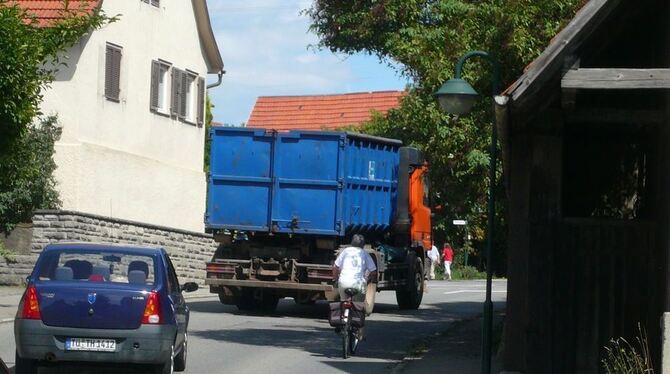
(574, 283)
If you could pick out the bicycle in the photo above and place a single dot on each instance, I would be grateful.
(350, 318)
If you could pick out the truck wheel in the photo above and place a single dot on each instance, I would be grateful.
(227, 299)
(410, 297)
(245, 302)
(370, 294)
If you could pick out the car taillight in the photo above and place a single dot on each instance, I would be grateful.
(152, 312)
(346, 305)
(31, 306)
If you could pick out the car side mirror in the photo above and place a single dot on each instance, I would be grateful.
(189, 287)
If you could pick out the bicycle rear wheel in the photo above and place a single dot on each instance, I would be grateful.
(353, 341)
(345, 341)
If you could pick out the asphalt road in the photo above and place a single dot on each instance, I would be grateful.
(298, 339)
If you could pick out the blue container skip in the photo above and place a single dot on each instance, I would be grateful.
(301, 182)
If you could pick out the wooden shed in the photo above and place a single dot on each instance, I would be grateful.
(585, 137)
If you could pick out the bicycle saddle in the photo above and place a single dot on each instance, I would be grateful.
(351, 291)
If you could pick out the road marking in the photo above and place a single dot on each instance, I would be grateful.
(473, 291)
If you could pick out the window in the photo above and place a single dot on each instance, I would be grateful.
(188, 96)
(607, 175)
(113, 55)
(189, 91)
(173, 283)
(96, 266)
(155, 3)
(159, 86)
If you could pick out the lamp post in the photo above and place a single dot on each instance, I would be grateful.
(458, 97)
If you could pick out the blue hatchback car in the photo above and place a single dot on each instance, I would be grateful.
(102, 303)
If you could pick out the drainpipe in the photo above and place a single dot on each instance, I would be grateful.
(218, 82)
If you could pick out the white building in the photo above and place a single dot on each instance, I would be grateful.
(131, 103)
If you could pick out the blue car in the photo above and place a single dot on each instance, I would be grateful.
(102, 303)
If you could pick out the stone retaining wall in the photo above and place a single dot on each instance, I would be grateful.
(188, 250)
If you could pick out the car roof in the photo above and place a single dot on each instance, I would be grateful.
(84, 247)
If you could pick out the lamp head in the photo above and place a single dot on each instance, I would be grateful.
(456, 97)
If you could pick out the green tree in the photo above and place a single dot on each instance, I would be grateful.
(29, 59)
(26, 174)
(209, 117)
(424, 39)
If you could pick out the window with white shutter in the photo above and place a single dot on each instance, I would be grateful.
(113, 54)
(190, 98)
(187, 99)
(159, 86)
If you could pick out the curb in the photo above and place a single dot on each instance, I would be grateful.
(400, 366)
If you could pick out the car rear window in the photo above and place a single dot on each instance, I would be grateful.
(97, 266)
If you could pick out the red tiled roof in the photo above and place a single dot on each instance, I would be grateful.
(323, 112)
(48, 11)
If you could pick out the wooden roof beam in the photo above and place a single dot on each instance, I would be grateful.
(616, 79)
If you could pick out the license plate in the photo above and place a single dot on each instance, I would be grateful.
(90, 344)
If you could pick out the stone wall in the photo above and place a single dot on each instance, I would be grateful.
(188, 250)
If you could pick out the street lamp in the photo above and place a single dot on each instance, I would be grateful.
(458, 97)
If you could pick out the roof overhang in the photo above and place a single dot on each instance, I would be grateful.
(523, 93)
(207, 39)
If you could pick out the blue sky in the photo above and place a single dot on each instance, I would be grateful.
(264, 44)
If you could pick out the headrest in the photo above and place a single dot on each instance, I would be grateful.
(137, 277)
(63, 273)
(139, 265)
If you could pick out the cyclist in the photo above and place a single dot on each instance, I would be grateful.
(351, 267)
(349, 271)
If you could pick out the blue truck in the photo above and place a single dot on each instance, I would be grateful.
(281, 205)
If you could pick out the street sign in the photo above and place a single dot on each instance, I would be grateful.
(460, 222)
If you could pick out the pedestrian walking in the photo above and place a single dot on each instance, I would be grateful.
(448, 258)
(434, 257)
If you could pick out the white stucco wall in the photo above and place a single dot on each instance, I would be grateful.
(120, 159)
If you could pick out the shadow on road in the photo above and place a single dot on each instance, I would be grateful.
(88, 369)
(391, 332)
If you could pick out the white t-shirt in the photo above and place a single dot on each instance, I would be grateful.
(434, 254)
(353, 263)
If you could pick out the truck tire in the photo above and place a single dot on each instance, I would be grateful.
(227, 299)
(410, 297)
(370, 295)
